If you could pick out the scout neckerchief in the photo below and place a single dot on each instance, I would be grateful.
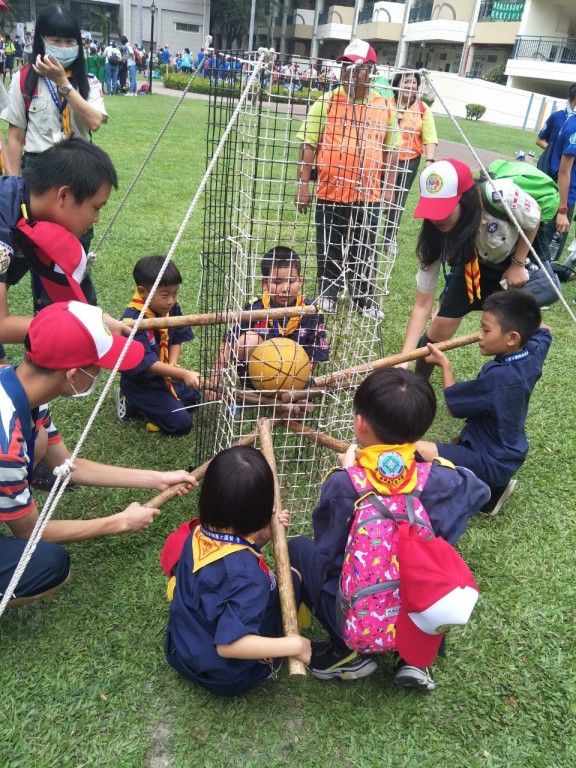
(209, 546)
(471, 276)
(62, 106)
(389, 468)
(137, 303)
(293, 322)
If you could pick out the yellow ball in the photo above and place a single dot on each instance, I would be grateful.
(279, 363)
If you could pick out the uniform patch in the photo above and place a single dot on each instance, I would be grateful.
(572, 138)
(5, 256)
(492, 227)
(434, 184)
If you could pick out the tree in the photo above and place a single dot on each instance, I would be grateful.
(104, 21)
(230, 20)
(496, 75)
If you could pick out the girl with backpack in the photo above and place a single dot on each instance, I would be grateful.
(478, 252)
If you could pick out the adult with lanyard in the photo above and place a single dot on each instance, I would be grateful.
(50, 100)
(563, 171)
(478, 252)
(351, 136)
(419, 137)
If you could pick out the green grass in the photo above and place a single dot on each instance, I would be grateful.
(83, 677)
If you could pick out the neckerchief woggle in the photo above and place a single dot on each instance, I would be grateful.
(292, 324)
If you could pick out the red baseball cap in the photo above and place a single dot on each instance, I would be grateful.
(441, 187)
(437, 591)
(72, 334)
(359, 51)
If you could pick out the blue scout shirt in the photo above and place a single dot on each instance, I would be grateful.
(565, 145)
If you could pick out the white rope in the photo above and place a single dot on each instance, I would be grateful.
(425, 73)
(63, 472)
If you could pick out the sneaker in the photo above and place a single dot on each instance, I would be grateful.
(373, 313)
(121, 405)
(327, 664)
(420, 678)
(497, 500)
(326, 305)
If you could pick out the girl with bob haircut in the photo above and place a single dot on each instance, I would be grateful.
(225, 627)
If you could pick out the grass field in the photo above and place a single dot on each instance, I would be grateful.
(83, 676)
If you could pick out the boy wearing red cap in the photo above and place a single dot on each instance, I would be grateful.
(392, 409)
(66, 346)
(480, 250)
(351, 135)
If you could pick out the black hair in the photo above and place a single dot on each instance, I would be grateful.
(280, 257)
(398, 77)
(147, 268)
(458, 245)
(572, 93)
(515, 310)
(123, 39)
(73, 163)
(237, 491)
(56, 21)
(398, 405)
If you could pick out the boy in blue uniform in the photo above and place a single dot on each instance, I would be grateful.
(225, 628)
(281, 287)
(392, 409)
(158, 387)
(493, 443)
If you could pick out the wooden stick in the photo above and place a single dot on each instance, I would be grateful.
(296, 668)
(386, 362)
(320, 438)
(221, 318)
(158, 501)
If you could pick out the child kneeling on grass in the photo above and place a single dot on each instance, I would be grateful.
(225, 627)
(158, 387)
(493, 443)
(392, 409)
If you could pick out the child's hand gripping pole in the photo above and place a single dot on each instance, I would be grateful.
(283, 570)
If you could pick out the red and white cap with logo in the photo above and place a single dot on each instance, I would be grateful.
(74, 335)
(441, 187)
(359, 51)
(437, 591)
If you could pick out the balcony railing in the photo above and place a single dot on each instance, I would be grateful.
(365, 15)
(499, 10)
(558, 49)
(421, 13)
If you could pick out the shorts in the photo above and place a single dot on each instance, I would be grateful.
(455, 302)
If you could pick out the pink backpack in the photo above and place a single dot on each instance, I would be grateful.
(368, 600)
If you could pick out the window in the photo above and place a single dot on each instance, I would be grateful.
(180, 27)
(492, 59)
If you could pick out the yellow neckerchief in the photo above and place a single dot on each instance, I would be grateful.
(293, 322)
(389, 468)
(65, 114)
(137, 303)
(206, 551)
(472, 277)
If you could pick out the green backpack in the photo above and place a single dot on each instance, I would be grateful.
(531, 180)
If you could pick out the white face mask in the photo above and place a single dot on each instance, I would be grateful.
(90, 389)
(65, 56)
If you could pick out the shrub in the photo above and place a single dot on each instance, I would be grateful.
(474, 111)
(276, 93)
(496, 75)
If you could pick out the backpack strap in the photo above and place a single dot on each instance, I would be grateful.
(379, 504)
(487, 203)
(27, 99)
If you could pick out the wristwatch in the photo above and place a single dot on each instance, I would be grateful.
(563, 210)
(64, 90)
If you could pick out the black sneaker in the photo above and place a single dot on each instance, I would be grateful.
(498, 498)
(327, 664)
(408, 676)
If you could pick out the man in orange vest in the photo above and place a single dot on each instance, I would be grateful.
(351, 135)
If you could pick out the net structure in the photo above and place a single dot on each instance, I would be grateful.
(346, 242)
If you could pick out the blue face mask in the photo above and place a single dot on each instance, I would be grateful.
(65, 56)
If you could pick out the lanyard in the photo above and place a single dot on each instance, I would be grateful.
(230, 538)
(60, 106)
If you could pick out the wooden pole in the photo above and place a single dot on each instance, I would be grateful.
(158, 501)
(320, 438)
(221, 318)
(387, 362)
(296, 668)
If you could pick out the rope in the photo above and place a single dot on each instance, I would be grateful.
(63, 472)
(151, 152)
(425, 73)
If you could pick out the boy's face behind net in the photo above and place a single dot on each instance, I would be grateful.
(283, 285)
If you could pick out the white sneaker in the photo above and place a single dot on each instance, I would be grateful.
(373, 313)
(326, 305)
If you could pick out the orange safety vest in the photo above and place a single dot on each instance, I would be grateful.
(410, 122)
(350, 156)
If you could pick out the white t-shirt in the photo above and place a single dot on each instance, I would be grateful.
(43, 115)
(496, 238)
